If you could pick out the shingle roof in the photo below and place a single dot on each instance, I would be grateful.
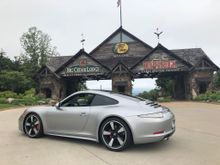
(192, 56)
(55, 63)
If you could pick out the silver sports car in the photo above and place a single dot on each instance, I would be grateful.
(113, 119)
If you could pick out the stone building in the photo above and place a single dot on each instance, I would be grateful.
(122, 57)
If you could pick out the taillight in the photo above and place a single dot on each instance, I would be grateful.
(160, 132)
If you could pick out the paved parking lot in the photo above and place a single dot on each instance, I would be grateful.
(196, 142)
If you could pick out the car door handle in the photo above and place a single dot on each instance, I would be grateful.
(83, 114)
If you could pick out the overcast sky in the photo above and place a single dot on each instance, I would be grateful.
(186, 23)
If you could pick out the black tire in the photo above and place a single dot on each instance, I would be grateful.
(116, 136)
(33, 126)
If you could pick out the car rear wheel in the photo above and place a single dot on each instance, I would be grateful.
(33, 127)
(115, 134)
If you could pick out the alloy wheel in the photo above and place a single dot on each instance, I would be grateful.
(32, 125)
(114, 135)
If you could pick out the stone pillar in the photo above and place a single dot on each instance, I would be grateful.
(54, 84)
(196, 78)
(188, 88)
(122, 83)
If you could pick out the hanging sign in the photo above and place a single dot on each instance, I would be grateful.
(159, 64)
(82, 68)
(87, 69)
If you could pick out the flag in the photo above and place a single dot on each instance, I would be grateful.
(119, 3)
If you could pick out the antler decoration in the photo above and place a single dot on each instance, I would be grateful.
(158, 34)
(82, 41)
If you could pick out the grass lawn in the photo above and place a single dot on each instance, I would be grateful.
(7, 106)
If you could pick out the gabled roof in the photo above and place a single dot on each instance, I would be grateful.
(56, 62)
(209, 62)
(161, 47)
(120, 30)
(193, 56)
(120, 67)
(46, 67)
(81, 52)
(189, 57)
(111, 63)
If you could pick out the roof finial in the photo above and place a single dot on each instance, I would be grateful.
(158, 34)
(2, 53)
(82, 41)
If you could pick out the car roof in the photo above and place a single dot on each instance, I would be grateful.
(103, 92)
(117, 96)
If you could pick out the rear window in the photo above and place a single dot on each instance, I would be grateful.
(100, 100)
(133, 98)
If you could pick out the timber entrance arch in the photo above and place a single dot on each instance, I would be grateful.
(122, 57)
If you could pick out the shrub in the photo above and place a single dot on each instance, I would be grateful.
(165, 99)
(26, 101)
(202, 97)
(211, 96)
(31, 92)
(3, 101)
(41, 96)
(8, 94)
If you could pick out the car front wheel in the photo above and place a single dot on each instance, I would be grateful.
(115, 134)
(33, 127)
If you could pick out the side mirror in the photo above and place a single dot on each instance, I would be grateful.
(57, 105)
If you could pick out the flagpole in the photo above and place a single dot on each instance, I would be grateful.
(121, 13)
(120, 5)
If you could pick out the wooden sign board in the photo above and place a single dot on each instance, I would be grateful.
(159, 64)
(83, 66)
(160, 61)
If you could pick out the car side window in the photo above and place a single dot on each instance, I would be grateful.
(100, 100)
(83, 99)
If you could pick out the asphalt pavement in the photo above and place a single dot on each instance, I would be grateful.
(195, 142)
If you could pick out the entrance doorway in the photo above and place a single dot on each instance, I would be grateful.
(179, 89)
(47, 92)
(121, 89)
(202, 87)
(71, 85)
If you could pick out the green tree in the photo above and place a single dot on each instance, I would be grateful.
(5, 62)
(81, 86)
(14, 81)
(166, 86)
(151, 95)
(37, 48)
(217, 80)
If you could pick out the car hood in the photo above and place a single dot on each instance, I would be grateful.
(41, 109)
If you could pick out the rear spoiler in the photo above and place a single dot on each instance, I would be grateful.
(152, 104)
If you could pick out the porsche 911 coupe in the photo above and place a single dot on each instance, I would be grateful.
(116, 120)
